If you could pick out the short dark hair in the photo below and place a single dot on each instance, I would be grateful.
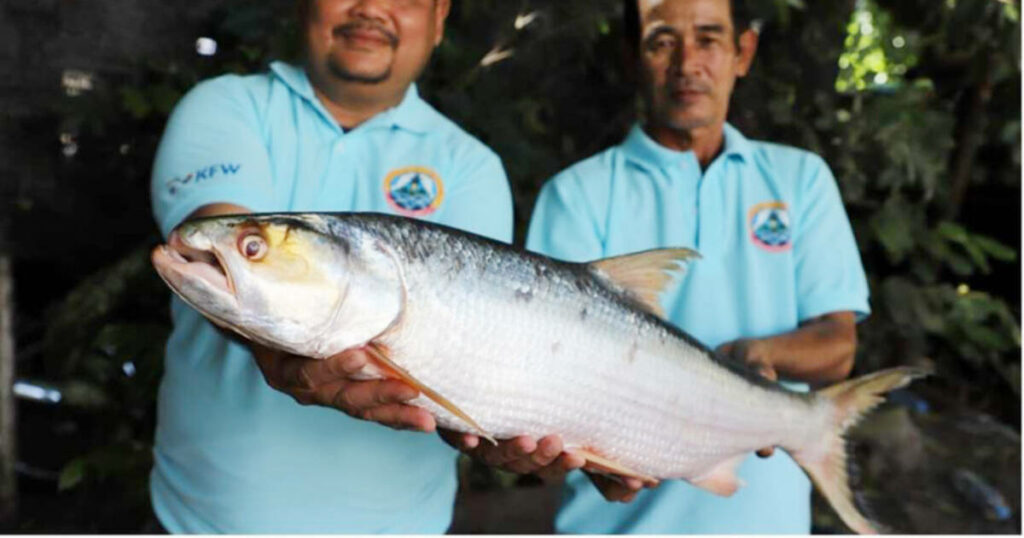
(631, 20)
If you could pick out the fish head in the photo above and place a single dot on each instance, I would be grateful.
(285, 281)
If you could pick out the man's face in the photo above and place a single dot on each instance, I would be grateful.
(690, 60)
(373, 41)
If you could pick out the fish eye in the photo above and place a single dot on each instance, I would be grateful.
(253, 246)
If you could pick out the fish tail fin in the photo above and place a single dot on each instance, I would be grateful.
(826, 461)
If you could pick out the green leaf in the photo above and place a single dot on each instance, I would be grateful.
(72, 474)
(952, 231)
(994, 248)
(978, 257)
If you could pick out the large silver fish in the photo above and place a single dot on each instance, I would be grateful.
(502, 342)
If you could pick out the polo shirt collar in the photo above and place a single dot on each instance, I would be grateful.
(641, 148)
(412, 114)
(737, 145)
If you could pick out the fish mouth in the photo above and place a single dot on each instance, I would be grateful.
(178, 262)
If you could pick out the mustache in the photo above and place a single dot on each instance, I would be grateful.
(689, 85)
(348, 28)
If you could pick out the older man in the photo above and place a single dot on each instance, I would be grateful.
(779, 285)
(346, 131)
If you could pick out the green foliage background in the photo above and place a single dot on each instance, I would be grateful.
(922, 132)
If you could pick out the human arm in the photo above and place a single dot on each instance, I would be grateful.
(820, 351)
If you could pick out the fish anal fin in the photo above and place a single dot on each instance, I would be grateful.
(394, 371)
(603, 465)
(644, 274)
(721, 479)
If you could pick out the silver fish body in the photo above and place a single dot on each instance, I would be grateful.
(506, 343)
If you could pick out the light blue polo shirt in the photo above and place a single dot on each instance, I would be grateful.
(776, 249)
(231, 454)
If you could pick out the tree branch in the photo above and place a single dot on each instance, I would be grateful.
(970, 133)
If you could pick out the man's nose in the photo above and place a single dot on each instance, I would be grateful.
(685, 58)
(370, 9)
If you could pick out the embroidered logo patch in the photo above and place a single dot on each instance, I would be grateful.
(770, 227)
(414, 191)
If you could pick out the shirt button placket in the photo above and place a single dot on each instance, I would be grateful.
(715, 214)
(694, 181)
(328, 182)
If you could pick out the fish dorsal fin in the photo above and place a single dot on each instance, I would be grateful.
(644, 275)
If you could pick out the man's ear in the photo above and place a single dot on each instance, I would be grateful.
(747, 48)
(441, 10)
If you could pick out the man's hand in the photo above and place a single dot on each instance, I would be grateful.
(545, 458)
(328, 382)
(751, 352)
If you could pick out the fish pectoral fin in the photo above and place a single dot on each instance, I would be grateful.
(721, 479)
(392, 369)
(644, 275)
(600, 464)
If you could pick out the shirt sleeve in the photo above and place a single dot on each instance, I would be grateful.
(211, 151)
(829, 273)
(562, 225)
(480, 200)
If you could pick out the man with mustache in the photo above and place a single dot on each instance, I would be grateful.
(346, 131)
(779, 286)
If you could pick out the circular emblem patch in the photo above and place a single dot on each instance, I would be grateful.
(769, 226)
(414, 191)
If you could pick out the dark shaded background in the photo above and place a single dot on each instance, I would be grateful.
(914, 103)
